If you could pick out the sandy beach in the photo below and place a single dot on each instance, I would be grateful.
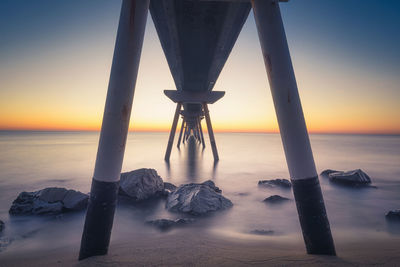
(188, 248)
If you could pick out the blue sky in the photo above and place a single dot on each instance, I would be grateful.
(344, 51)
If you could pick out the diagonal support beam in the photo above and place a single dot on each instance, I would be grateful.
(103, 195)
(180, 133)
(173, 130)
(210, 132)
(201, 134)
(306, 188)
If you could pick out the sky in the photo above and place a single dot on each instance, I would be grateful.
(55, 60)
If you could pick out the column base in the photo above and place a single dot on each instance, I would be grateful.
(312, 215)
(99, 219)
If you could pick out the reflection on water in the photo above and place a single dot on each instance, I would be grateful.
(30, 161)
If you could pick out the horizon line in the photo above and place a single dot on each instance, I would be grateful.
(216, 131)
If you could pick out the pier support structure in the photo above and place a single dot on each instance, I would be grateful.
(195, 108)
(105, 183)
(173, 130)
(306, 188)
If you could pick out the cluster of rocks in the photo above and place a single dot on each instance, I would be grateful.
(351, 178)
(283, 183)
(194, 198)
(138, 185)
(49, 201)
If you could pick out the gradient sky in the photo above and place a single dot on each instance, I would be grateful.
(55, 59)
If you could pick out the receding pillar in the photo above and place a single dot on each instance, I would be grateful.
(105, 183)
(180, 133)
(173, 130)
(210, 132)
(307, 191)
(184, 134)
(201, 134)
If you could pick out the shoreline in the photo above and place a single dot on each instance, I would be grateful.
(195, 248)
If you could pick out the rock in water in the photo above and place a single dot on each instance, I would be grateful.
(141, 184)
(197, 199)
(275, 199)
(327, 172)
(393, 215)
(354, 177)
(275, 182)
(166, 224)
(2, 226)
(51, 200)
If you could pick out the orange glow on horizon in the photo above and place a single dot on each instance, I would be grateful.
(217, 129)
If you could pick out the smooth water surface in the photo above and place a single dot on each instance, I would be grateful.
(30, 161)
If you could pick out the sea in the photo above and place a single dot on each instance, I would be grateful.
(31, 161)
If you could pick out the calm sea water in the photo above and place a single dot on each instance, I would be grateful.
(30, 161)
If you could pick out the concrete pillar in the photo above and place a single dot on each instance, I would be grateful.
(201, 134)
(196, 131)
(307, 191)
(105, 183)
(180, 133)
(173, 130)
(184, 133)
(210, 132)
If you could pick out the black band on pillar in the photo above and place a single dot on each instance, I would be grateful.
(312, 214)
(99, 219)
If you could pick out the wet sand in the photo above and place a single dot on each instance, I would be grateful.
(188, 248)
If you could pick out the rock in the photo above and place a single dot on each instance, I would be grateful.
(2, 226)
(51, 200)
(275, 199)
(197, 199)
(327, 172)
(393, 215)
(166, 224)
(141, 184)
(261, 232)
(275, 183)
(75, 200)
(354, 177)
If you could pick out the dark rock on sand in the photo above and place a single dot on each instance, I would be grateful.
(262, 232)
(352, 178)
(48, 201)
(166, 224)
(141, 184)
(2, 226)
(275, 199)
(393, 215)
(197, 199)
(284, 183)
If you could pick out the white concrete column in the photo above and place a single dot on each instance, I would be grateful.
(110, 154)
(299, 157)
